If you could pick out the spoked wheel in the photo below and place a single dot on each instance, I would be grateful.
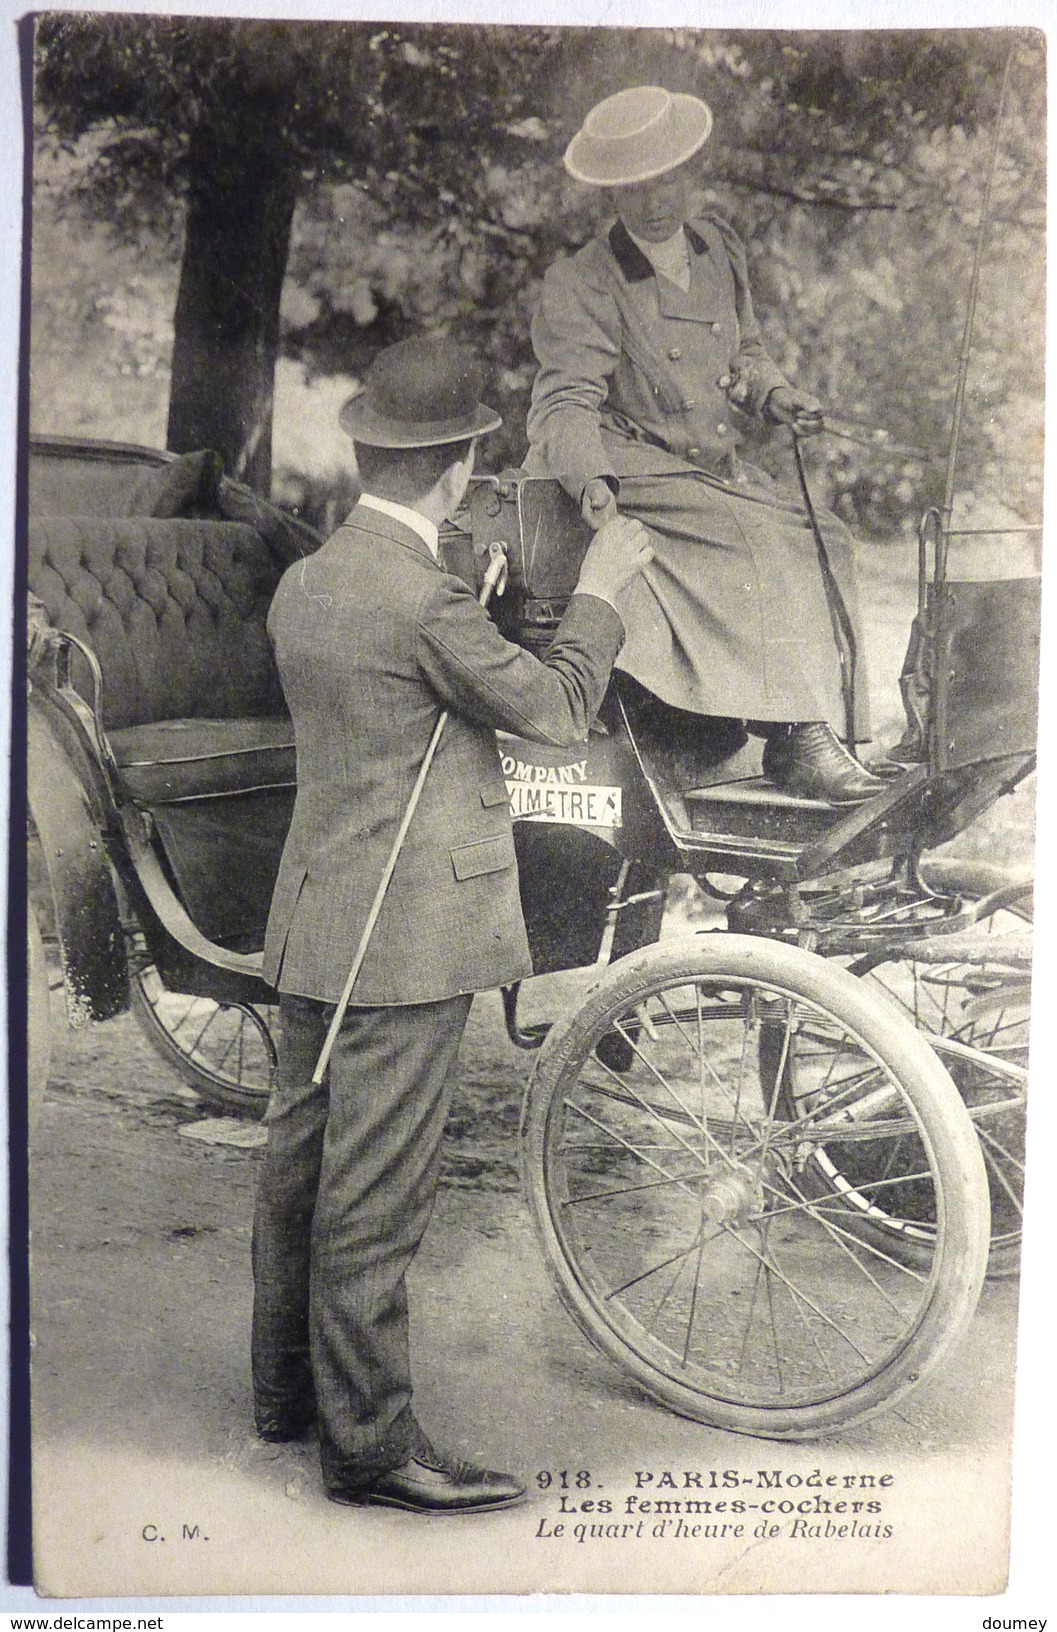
(671, 1201)
(224, 1051)
(970, 996)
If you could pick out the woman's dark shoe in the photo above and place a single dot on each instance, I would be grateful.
(809, 761)
(434, 1483)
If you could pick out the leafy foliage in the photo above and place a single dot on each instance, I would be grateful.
(432, 195)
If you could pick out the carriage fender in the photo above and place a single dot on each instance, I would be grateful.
(87, 912)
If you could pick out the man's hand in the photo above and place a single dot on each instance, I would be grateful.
(597, 502)
(788, 406)
(616, 555)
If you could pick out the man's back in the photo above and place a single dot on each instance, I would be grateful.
(373, 639)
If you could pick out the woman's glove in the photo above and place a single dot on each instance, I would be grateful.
(598, 502)
(786, 405)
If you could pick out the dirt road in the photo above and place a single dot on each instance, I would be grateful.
(142, 1415)
(142, 1412)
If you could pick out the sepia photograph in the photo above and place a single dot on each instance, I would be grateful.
(528, 553)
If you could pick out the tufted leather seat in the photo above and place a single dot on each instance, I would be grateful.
(175, 611)
(174, 603)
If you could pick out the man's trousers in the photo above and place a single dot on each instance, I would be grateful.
(346, 1191)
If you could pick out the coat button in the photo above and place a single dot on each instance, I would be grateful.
(721, 430)
(675, 352)
(715, 327)
(693, 453)
(725, 382)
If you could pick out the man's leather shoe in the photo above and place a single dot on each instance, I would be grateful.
(809, 761)
(433, 1483)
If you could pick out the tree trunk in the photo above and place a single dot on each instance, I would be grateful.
(240, 208)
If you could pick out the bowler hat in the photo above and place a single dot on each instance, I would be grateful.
(420, 393)
(636, 135)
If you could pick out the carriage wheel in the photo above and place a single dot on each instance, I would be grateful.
(973, 1007)
(975, 1010)
(224, 1051)
(671, 1201)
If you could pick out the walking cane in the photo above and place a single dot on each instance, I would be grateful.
(494, 579)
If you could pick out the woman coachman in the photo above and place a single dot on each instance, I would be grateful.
(648, 348)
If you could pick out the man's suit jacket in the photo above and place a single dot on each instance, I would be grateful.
(373, 639)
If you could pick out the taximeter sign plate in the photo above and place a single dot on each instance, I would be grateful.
(585, 805)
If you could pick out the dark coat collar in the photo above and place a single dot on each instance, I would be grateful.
(629, 257)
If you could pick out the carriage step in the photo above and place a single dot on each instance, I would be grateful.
(753, 810)
(755, 791)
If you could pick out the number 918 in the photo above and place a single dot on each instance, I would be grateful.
(580, 1480)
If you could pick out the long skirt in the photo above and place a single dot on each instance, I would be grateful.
(732, 617)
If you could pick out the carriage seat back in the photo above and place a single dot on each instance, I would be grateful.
(71, 478)
(175, 611)
(984, 669)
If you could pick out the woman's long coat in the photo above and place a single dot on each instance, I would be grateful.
(636, 383)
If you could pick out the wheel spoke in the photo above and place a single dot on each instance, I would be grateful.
(624, 1189)
(729, 1208)
(693, 1302)
(654, 1111)
(223, 1050)
(193, 1044)
(990, 1143)
(816, 1202)
(842, 1239)
(1000, 1178)
(680, 1262)
(795, 1291)
(633, 1149)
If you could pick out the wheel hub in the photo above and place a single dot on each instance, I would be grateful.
(731, 1196)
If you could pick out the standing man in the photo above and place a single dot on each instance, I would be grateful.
(373, 640)
(646, 341)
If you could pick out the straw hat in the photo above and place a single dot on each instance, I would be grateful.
(420, 393)
(636, 135)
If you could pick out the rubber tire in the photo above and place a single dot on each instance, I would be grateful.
(975, 879)
(962, 1253)
(219, 1092)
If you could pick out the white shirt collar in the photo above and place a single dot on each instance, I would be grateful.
(426, 530)
(672, 257)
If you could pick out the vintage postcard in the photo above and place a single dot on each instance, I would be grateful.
(549, 514)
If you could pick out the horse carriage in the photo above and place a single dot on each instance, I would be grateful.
(769, 1158)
